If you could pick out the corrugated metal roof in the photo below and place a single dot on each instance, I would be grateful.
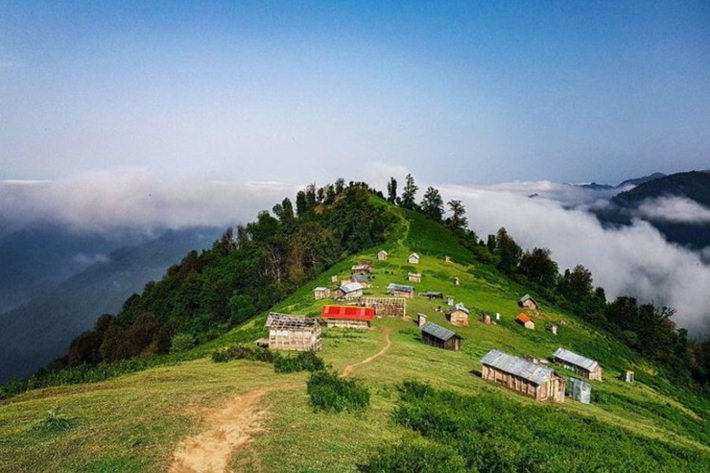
(517, 366)
(350, 287)
(575, 359)
(415, 255)
(340, 312)
(437, 331)
(415, 274)
(527, 297)
(382, 251)
(400, 287)
(277, 320)
(461, 306)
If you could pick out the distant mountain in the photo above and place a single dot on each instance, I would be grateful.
(596, 187)
(694, 186)
(691, 185)
(36, 259)
(641, 180)
(35, 333)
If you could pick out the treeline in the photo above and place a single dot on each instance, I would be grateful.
(245, 272)
(645, 328)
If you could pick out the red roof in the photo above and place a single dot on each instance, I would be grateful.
(523, 318)
(343, 312)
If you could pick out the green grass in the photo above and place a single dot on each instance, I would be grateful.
(133, 423)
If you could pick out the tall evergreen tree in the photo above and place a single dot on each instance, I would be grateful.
(458, 221)
(301, 203)
(392, 190)
(432, 204)
(409, 193)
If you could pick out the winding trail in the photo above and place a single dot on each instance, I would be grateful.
(232, 427)
(348, 369)
(229, 429)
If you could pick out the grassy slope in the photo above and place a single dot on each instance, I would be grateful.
(134, 422)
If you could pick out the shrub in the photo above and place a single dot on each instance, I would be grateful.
(54, 422)
(240, 352)
(416, 458)
(182, 342)
(305, 361)
(330, 393)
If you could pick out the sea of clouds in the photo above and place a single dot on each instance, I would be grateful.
(633, 260)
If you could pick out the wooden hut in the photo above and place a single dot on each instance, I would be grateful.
(434, 295)
(527, 302)
(458, 315)
(362, 268)
(386, 306)
(581, 365)
(321, 292)
(400, 290)
(440, 337)
(414, 277)
(293, 332)
(486, 319)
(347, 316)
(413, 258)
(362, 279)
(351, 290)
(450, 300)
(421, 319)
(334, 278)
(528, 378)
(382, 255)
(525, 321)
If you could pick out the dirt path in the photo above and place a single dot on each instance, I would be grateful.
(229, 429)
(348, 369)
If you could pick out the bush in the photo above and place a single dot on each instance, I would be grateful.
(416, 458)
(54, 422)
(239, 352)
(182, 342)
(305, 361)
(330, 393)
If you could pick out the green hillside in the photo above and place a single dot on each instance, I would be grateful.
(242, 416)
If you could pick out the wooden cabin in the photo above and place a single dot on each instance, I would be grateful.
(434, 295)
(413, 258)
(458, 315)
(386, 306)
(414, 277)
(334, 278)
(347, 316)
(523, 376)
(362, 279)
(421, 319)
(486, 319)
(629, 376)
(362, 269)
(527, 302)
(525, 321)
(400, 290)
(581, 365)
(349, 291)
(440, 337)
(293, 332)
(382, 255)
(321, 293)
(450, 300)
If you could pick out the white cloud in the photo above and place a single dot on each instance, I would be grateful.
(674, 209)
(108, 199)
(634, 260)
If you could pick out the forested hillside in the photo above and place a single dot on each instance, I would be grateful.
(411, 408)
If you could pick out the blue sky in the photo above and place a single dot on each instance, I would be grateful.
(458, 93)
